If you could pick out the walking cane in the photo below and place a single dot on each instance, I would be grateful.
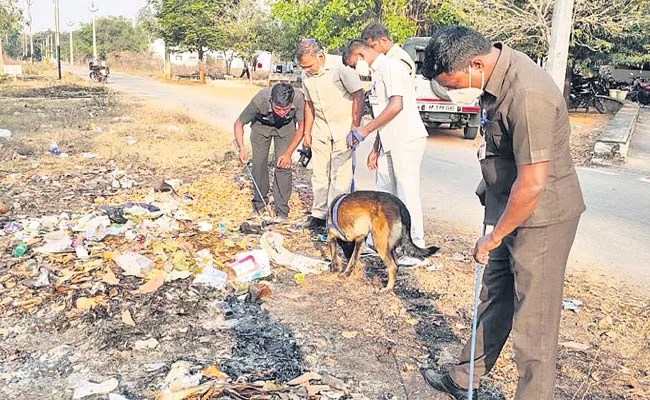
(477, 291)
(250, 173)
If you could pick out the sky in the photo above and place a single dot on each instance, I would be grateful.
(77, 11)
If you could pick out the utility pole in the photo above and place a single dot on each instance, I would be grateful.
(57, 38)
(558, 53)
(31, 37)
(70, 24)
(93, 9)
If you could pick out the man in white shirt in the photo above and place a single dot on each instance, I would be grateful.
(377, 37)
(401, 138)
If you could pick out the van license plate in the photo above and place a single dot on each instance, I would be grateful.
(439, 107)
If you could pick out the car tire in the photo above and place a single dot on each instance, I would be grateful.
(470, 132)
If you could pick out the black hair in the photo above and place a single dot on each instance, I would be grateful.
(374, 31)
(452, 49)
(282, 95)
(308, 47)
(352, 46)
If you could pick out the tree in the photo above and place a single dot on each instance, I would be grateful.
(334, 23)
(114, 34)
(10, 17)
(192, 25)
(599, 26)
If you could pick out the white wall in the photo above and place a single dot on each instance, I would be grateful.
(192, 59)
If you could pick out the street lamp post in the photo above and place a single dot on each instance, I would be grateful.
(93, 9)
(31, 37)
(70, 24)
(57, 38)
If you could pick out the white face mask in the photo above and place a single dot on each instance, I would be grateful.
(467, 95)
(362, 67)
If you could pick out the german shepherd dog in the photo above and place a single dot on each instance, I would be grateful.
(364, 212)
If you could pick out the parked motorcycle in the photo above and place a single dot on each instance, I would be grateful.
(640, 92)
(98, 72)
(584, 93)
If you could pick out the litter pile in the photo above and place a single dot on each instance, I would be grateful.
(103, 264)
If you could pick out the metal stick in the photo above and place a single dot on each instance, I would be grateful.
(257, 188)
(477, 291)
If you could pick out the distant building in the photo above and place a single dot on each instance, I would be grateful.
(263, 62)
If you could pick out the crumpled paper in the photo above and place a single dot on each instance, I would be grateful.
(272, 243)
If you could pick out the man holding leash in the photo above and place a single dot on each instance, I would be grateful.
(532, 197)
(376, 35)
(275, 114)
(401, 139)
(334, 106)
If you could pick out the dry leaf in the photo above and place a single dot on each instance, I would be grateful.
(350, 334)
(156, 281)
(127, 319)
(305, 378)
(215, 373)
(88, 303)
(412, 321)
(575, 346)
(110, 278)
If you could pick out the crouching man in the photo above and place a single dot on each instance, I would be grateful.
(276, 115)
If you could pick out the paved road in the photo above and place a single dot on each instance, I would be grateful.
(614, 234)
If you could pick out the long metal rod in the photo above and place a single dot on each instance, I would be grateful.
(477, 292)
(257, 188)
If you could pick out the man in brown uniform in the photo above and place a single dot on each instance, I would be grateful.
(532, 199)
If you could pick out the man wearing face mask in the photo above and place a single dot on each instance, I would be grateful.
(334, 106)
(532, 199)
(273, 114)
(401, 135)
(377, 37)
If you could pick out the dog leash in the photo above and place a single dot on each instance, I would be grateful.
(334, 223)
(354, 134)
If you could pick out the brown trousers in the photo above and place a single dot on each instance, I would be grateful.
(522, 292)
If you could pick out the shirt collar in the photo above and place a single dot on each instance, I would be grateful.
(391, 50)
(379, 62)
(495, 82)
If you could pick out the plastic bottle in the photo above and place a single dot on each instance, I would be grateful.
(20, 250)
(54, 149)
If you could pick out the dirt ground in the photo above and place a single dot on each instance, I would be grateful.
(66, 321)
(585, 129)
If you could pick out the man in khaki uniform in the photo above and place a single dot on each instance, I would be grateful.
(532, 198)
(334, 105)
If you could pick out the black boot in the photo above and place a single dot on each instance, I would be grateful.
(443, 383)
(314, 224)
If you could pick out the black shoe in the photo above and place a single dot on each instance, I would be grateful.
(314, 224)
(443, 383)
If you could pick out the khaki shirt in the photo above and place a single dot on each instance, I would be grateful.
(399, 54)
(331, 93)
(389, 78)
(525, 121)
